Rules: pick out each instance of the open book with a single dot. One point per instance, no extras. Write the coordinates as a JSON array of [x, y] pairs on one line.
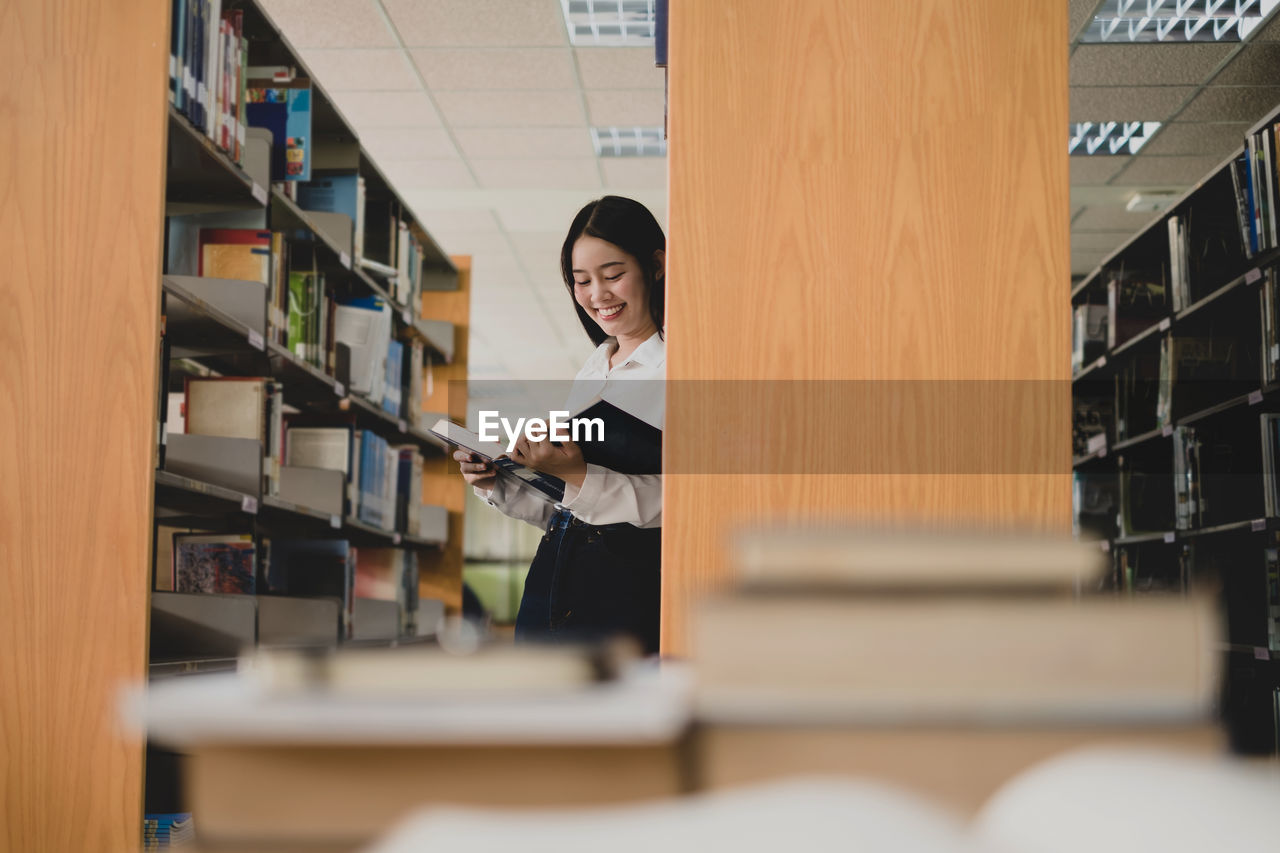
[[628, 445]]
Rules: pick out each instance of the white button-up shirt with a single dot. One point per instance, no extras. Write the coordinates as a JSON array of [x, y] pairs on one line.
[[606, 496]]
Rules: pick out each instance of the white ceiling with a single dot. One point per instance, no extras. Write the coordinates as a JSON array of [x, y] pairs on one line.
[[479, 111]]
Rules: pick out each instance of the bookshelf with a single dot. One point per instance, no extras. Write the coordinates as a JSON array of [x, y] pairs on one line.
[[379, 266], [1173, 393]]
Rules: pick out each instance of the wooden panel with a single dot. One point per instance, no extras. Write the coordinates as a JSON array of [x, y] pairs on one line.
[[862, 191], [81, 203], [442, 485]]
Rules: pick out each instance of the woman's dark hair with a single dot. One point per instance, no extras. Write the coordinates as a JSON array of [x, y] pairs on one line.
[[630, 226]]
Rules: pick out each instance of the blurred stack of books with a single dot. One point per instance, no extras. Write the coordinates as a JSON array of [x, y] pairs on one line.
[[944, 662]]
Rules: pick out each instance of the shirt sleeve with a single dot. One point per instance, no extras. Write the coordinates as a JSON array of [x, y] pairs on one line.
[[607, 497], [515, 502]]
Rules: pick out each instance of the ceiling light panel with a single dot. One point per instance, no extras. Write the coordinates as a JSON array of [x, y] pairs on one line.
[[628, 142], [1118, 138], [1174, 21], [611, 23]]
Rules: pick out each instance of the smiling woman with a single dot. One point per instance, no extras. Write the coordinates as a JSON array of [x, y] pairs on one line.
[[597, 569]]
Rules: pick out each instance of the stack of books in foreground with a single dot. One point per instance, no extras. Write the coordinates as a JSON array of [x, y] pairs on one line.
[[943, 662]]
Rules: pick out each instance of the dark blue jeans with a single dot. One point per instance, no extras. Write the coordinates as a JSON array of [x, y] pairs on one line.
[[591, 581]]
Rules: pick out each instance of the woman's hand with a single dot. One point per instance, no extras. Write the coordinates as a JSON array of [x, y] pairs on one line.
[[564, 461], [480, 474]]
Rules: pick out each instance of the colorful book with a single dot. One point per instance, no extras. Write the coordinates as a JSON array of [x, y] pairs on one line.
[[215, 563], [240, 253], [284, 108]]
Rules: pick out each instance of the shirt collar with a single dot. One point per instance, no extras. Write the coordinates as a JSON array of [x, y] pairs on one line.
[[651, 353]]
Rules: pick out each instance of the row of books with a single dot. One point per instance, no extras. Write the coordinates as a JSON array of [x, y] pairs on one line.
[[212, 83], [1197, 363], [242, 564], [380, 237], [1269, 308], [305, 318], [1254, 178], [1136, 300]]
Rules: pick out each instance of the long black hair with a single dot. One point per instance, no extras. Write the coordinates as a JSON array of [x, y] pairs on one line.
[[627, 224]]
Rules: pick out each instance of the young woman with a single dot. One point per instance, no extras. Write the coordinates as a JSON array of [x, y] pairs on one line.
[[597, 569]]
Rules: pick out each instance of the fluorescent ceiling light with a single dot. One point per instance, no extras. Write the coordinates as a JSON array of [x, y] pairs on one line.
[[1173, 21], [628, 142], [1110, 137], [611, 23]]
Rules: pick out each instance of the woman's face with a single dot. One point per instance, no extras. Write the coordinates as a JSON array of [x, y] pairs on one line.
[[609, 285]]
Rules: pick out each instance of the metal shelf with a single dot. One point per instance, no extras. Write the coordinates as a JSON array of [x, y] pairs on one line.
[[200, 177]]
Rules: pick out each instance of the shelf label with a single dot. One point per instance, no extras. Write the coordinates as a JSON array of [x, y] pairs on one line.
[[1258, 524], [344, 259], [249, 504], [395, 538], [407, 316], [1166, 430], [255, 339], [259, 193], [335, 521], [404, 427], [339, 389], [1252, 275], [1255, 398], [1259, 653], [1168, 537], [1097, 442], [1165, 324]]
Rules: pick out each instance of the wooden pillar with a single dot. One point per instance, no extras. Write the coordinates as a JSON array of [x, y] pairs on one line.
[[442, 485], [81, 214], [864, 191]]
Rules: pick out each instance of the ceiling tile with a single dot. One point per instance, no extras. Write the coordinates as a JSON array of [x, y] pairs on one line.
[[493, 245], [1127, 103], [453, 221], [1254, 65], [1098, 241], [362, 69], [331, 23], [537, 174], [1109, 218], [1087, 171], [619, 68], [511, 109], [387, 109], [439, 174], [497, 68], [1145, 64], [514, 143], [1167, 171], [1196, 138], [1232, 103], [634, 172], [1081, 12], [626, 109], [471, 23], [415, 143]]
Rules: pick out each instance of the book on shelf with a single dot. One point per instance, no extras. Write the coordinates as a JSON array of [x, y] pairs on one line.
[[392, 396], [1191, 369], [409, 472], [1271, 596], [1269, 311], [1091, 419], [364, 325], [341, 193], [235, 253], [248, 407], [1270, 429], [628, 445], [389, 574], [167, 831], [306, 306], [221, 563], [1240, 173], [1179, 262], [283, 106], [1088, 334]]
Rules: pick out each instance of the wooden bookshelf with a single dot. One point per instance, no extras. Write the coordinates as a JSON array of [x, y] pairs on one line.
[[1218, 530], [88, 221]]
